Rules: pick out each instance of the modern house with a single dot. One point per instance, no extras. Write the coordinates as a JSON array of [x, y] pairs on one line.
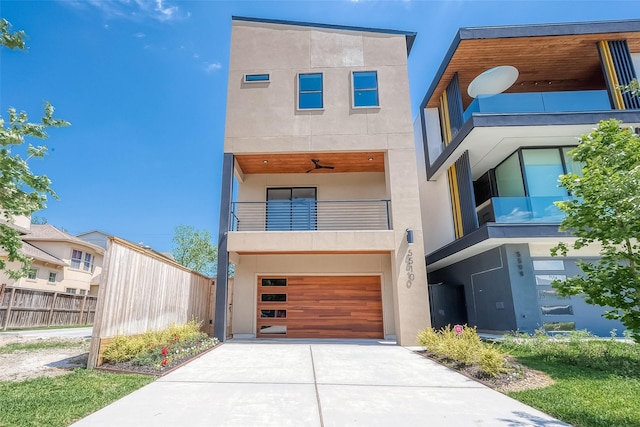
[[60, 262], [320, 211], [493, 132]]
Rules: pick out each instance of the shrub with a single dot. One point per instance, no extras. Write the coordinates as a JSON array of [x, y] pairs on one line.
[[465, 349], [492, 361], [124, 348]]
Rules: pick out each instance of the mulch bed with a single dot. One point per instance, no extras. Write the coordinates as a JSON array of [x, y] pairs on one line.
[[518, 377], [130, 368]]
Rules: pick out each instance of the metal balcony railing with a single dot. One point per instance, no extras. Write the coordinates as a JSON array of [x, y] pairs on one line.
[[279, 215]]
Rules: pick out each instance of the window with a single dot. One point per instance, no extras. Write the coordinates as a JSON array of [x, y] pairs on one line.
[[365, 89], [83, 291], [274, 282], [547, 279], [71, 290], [542, 167], [558, 310], [273, 297], [509, 178], [88, 262], [31, 275], [310, 91], [540, 264], [76, 259], [52, 277], [256, 78], [291, 208]]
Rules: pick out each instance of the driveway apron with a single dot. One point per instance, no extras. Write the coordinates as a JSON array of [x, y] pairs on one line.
[[316, 383]]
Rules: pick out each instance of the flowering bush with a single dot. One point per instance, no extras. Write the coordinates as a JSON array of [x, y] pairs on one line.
[[153, 347], [159, 356]]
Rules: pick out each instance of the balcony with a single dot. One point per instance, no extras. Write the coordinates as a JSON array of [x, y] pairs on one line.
[[521, 210], [540, 102], [310, 215]]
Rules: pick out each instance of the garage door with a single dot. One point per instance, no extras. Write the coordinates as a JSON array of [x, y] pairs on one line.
[[319, 307]]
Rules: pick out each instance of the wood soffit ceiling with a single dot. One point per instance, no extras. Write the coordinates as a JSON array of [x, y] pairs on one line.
[[545, 63], [301, 162]]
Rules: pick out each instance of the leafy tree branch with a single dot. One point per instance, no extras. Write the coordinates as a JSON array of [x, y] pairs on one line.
[[21, 191], [605, 210]]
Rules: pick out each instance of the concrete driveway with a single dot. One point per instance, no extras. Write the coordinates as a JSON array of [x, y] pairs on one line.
[[316, 383]]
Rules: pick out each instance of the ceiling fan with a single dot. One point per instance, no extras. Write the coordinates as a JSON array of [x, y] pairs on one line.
[[317, 165]]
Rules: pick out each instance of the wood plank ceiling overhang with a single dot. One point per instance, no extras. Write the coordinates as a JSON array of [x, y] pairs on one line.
[[302, 162], [545, 63]]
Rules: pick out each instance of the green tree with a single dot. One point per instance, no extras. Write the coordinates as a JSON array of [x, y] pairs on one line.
[[633, 88], [194, 249], [605, 211], [21, 191]]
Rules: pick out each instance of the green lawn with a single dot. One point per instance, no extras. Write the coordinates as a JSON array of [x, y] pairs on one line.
[[59, 401], [597, 382]]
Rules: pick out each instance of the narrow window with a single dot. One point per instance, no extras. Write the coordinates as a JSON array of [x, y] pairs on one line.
[[88, 262], [71, 290], [274, 282], [76, 259], [52, 277], [274, 298], [310, 91], [256, 78], [31, 275], [557, 310], [544, 264], [365, 89]]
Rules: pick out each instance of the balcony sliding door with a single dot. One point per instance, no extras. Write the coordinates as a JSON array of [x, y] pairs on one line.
[[291, 209]]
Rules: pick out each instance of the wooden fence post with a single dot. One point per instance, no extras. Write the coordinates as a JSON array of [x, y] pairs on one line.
[[8, 312], [53, 304], [84, 301]]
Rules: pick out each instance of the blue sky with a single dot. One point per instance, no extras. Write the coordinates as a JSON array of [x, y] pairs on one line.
[[143, 83]]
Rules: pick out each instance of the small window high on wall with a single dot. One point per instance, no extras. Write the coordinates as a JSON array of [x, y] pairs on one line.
[[310, 89], [365, 89]]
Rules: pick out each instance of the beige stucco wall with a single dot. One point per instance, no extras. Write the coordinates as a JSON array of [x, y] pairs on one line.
[[331, 186], [66, 277], [271, 107], [252, 266], [264, 118]]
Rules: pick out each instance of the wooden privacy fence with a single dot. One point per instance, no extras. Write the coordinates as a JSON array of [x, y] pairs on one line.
[[28, 308], [142, 290]]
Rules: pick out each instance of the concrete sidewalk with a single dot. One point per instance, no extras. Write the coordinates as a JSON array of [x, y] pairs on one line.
[[316, 383]]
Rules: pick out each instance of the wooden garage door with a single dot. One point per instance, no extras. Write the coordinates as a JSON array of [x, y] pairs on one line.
[[319, 307]]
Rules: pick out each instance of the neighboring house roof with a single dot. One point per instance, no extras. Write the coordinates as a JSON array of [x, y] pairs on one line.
[[46, 232], [38, 254], [19, 229], [409, 35]]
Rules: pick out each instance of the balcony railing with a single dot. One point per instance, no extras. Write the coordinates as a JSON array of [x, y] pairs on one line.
[[521, 210], [310, 215], [540, 102]]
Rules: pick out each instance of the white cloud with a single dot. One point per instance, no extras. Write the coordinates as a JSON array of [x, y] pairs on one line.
[[196, 56], [211, 67], [159, 10], [140, 35]]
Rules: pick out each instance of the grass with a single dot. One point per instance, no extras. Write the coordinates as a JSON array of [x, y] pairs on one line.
[[59, 401], [597, 382], [38, 345]]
